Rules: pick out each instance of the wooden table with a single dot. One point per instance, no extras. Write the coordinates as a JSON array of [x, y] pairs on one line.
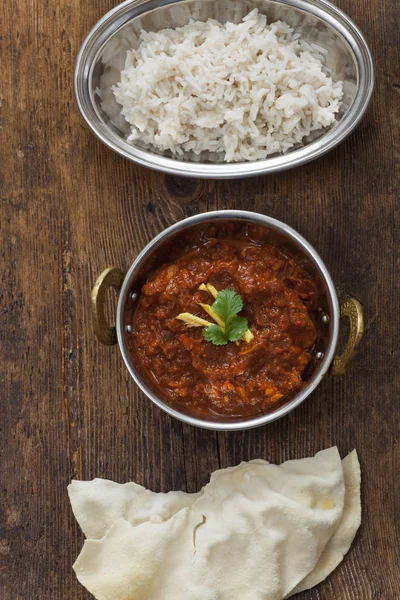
[[70, 208]]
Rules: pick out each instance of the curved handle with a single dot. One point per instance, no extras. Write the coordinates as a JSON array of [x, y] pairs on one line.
[[111, 277], [351, 309]]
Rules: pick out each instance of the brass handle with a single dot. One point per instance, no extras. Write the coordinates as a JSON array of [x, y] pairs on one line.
[[111, 277], [351, 309]]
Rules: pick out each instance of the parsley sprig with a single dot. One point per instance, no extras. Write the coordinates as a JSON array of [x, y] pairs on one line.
[[227, 305]]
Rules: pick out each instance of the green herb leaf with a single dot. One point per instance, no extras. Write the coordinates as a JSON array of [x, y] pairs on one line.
[[236, 328], [227, 304], [228, 327], [214, 334]]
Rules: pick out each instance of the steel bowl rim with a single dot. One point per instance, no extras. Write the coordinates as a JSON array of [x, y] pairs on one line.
[[272, 223], [322, 9]]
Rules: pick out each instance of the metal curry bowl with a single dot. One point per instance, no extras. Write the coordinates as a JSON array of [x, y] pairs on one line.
[[155, 253], [102, 57]]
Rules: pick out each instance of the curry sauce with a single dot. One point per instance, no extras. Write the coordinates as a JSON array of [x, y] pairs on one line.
[[280, 300]]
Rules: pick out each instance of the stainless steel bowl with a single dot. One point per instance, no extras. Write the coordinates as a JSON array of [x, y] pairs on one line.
[[154, 254], [102, 57]]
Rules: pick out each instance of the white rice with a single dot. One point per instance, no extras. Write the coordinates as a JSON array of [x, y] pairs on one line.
[[248, 89]]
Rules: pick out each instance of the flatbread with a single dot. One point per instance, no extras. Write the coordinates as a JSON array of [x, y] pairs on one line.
[[340, 542], [140, 563], [97, 504], [272, 513], [243, 538]]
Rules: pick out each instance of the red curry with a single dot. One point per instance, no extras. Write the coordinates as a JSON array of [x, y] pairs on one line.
[[280, 300]]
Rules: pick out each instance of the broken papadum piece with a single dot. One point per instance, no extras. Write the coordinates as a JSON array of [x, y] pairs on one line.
[[340, 542], [97, 504], [244, 534], [142, 562]]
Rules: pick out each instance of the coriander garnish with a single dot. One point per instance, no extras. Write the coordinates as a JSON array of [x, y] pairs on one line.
[[228, 326]]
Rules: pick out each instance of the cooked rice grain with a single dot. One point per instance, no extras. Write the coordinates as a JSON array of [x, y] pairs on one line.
[[248, 90]]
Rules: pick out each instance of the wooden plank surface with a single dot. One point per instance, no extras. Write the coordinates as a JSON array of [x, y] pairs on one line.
[[70, 208]]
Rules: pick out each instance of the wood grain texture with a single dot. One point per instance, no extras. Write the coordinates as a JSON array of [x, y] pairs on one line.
[[70, 208]]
